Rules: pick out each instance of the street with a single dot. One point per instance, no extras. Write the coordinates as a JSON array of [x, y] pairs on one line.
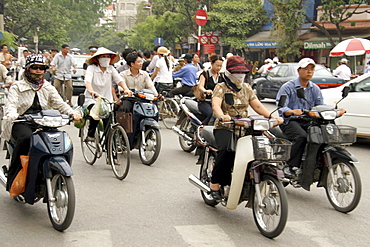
[[157, 206]]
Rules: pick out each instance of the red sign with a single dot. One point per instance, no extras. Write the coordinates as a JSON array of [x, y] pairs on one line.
[[203, 40], [201, 17], [213, 39], [209, 49]]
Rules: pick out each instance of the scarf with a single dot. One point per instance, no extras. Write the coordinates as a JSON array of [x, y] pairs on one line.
[[231, 85], [35, 81]]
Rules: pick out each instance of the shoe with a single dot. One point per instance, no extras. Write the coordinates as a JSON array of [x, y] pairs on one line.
[[288, 172], [20, 199], [216, 194], [90, 139]]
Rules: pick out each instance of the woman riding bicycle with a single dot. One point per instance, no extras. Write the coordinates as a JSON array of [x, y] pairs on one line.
[[100, 76]]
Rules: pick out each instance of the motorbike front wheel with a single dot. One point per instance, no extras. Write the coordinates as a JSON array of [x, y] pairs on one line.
[[62, 209], [270, 215], [344, 190], [205, 176], [188, 129], [150, 151]]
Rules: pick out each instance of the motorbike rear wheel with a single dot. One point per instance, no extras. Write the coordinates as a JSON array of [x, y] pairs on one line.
[[346, 196], [271, 216], [187, 127], [168, 112], [89, 148], [205, 176], [119, 152], [149, 152], [62, 210]]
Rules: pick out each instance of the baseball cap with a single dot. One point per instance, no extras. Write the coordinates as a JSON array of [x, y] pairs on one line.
[[344, 60], [304, 62], [236, 64]]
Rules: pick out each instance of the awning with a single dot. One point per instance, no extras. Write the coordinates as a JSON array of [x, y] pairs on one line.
[[321, 41], [265, 40]]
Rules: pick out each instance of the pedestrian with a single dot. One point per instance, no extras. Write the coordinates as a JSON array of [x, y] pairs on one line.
[[5, 57], [153, 63], [343, 70], [62, 64]]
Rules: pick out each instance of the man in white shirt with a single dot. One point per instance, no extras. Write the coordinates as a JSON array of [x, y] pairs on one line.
[[343, 71]]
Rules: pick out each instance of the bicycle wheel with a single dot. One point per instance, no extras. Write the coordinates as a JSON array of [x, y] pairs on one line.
[[150, 151], [119, 152], [169, 112], [89, 148]]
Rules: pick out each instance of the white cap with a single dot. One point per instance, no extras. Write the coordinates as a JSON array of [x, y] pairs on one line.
[[268, 60], [275, 59], [229, 55], [304, 62], [344, 60]]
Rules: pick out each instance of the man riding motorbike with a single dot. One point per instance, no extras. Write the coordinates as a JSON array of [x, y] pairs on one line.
[[295, 128], [29, 96]]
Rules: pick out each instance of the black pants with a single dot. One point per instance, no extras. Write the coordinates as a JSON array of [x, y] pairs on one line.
[[224, 163], [94, 123], [296, 131], [205, 107], [184, 90], [21, 133]]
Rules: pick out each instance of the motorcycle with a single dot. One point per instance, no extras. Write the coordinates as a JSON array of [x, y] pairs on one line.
[[325, 159], [256, 177], [190, 118], [49, 171], [146, 136]]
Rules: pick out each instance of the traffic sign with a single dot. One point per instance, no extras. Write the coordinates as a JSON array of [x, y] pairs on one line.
[[213, 39], [201, 17], [209, 49], [159, 41], [203, 40], [208, 33]]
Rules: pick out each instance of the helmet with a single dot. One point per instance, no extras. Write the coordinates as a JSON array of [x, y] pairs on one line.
[[35, 59]]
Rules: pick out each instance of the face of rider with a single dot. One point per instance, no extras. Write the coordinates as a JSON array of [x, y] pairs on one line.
[[307, 73], [216, 66], [104, 60], [138, 63], [39, 71]]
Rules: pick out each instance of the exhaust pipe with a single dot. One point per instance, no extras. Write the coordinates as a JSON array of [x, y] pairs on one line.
[[182, 134], [195, 181], [2, 178]]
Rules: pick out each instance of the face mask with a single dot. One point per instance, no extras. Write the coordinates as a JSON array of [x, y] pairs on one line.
[[237, 79], [104, 61]]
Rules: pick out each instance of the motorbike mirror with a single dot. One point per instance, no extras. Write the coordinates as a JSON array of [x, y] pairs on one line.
[[300, 93], [282, 100], [229, 98], [81, 99], [345, 91]]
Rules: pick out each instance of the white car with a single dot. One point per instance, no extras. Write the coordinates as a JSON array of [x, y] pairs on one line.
[[357, 104]]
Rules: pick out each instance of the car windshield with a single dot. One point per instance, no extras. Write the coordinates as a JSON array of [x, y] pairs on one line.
[[80, 61], [320, 70]]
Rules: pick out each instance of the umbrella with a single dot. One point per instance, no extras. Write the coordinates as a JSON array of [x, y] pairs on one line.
[[351, 47]]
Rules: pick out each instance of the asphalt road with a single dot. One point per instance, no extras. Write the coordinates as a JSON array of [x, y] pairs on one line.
[[157, 206]]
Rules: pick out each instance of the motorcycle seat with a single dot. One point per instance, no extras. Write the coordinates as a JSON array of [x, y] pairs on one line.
[[192, 105], [207, 134]]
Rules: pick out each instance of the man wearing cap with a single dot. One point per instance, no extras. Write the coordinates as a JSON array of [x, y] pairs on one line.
[[181, 64], [62, 64], [343, 71], [293, 127]]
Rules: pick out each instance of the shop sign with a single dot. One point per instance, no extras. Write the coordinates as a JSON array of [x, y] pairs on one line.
[[261, 44], [317, 45]]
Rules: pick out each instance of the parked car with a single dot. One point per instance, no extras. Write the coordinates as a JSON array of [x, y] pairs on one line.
[[356, 104], [78, 80], [268, 85]]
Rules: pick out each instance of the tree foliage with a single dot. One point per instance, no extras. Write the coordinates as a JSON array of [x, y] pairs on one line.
[[236, 20], [287, 19]]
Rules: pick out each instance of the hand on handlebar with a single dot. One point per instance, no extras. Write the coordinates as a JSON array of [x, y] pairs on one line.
[[128, 93], [297, 112], [76, 117], [225, 118]]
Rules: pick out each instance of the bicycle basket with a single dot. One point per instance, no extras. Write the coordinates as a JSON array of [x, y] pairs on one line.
[[338, 134], [271, 150]]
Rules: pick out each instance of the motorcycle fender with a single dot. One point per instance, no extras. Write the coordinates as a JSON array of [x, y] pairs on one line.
[[339, 152], [243, 155], [149, 122], [58, 164]]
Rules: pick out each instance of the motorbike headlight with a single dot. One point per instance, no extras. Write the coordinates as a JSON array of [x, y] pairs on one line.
[[52, 121], [329, 115], [262, 124]]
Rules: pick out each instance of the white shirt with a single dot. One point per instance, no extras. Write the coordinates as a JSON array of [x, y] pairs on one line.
[[164, 74], [343, 71], [101, 82]]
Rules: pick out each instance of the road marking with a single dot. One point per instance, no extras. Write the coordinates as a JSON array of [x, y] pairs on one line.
[[89, 238], [205, 235], [310, 229]]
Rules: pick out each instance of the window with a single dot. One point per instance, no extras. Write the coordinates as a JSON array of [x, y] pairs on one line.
[[272, 72], [363, 86], [282, 71]]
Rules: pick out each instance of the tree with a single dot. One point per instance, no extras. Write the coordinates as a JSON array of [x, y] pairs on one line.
[[336, 12], [236, 20], [287, 19]]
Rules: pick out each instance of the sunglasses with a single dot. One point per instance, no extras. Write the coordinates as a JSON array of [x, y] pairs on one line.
[[40, 67]]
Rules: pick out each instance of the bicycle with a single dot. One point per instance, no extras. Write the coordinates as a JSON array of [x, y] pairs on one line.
[[168, 111], [113, 140]]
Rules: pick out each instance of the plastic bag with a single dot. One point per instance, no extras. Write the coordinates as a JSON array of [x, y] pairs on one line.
[[94, 112], [104, 110], [19, 182]]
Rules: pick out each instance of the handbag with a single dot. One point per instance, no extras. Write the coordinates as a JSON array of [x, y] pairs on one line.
[[19, 182], [197, 92], [125, 120]]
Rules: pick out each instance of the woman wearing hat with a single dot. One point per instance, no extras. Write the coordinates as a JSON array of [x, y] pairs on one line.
[[30, 95], [100, 76], [243, 97], [162, 74]]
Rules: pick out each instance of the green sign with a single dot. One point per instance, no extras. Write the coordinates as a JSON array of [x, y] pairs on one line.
[[317, 45]]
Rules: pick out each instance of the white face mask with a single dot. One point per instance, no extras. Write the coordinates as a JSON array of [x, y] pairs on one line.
[[104, 61], [236, 79]]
